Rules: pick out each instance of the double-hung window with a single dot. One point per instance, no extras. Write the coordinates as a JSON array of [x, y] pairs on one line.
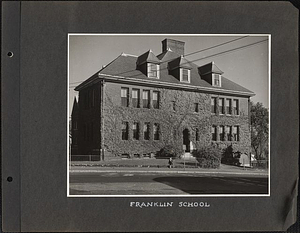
[[146, 99], [185, 75], [235, 133], [135, 98], [153, 70], [213, 105], [196, 107], [124, 130], [156, 131], [124, 97], [216, 80], [174, 105], [221, 133], [221, 106], [236, 107], [135, 130], [214, 133], [228, 106], [155, 99], [197, 134], [146, 131], [229, 133]]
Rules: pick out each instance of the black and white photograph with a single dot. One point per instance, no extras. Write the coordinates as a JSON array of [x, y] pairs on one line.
[[150, 116], [168, 115]]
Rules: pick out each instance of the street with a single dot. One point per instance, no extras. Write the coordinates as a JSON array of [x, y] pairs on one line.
[[147, 183]]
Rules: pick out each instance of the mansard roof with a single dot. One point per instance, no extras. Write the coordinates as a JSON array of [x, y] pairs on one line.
[[123, 69]]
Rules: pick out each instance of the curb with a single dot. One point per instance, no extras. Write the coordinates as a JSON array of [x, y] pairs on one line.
[[168, 172]]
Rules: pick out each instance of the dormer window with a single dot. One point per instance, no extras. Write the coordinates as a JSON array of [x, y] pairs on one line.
[[180, 68], [211, 74], [185, 75], [152, 70], [216, 80], [148, 64]]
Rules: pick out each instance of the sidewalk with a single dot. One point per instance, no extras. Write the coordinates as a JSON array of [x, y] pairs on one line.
[[224, 169]]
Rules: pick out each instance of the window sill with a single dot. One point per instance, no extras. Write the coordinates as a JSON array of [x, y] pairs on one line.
[[185, 81], [227, 141]]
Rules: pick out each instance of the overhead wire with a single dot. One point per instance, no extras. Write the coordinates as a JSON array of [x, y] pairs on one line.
[[213, 55], [208, 48]]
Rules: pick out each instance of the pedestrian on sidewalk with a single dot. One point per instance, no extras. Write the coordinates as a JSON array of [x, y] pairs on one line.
[[170, 162]]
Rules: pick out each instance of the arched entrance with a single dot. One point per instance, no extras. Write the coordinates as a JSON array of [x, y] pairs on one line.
[[186, 140]]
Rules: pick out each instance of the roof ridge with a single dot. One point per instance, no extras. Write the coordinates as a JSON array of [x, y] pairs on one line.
[[127, 54]]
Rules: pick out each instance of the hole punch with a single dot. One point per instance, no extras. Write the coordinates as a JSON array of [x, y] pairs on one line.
[[10, 54], [9, 179]]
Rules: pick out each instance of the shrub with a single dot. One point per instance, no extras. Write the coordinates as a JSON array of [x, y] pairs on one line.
[[169, 151], [230, 157], [208, 157]]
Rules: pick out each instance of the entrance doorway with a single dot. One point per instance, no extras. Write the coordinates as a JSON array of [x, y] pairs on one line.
[[186, 140]]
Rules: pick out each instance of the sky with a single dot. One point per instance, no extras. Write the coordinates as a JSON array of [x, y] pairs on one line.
[[244, 59]]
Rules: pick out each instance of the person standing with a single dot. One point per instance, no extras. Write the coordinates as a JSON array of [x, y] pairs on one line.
[[170, 162]]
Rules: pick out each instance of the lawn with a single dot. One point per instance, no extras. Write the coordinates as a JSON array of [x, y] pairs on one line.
[[136, 162]]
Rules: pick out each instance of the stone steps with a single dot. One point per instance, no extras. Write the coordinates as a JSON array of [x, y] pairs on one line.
[[187, 155]]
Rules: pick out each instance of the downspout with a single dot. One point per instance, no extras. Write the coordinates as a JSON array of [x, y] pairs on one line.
[[102, 90], [250, 129]]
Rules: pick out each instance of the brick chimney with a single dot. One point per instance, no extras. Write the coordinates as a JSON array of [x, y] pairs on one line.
[[175, 45]]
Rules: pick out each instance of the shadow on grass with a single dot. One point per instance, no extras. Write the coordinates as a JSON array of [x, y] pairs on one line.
[[216, 185]]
